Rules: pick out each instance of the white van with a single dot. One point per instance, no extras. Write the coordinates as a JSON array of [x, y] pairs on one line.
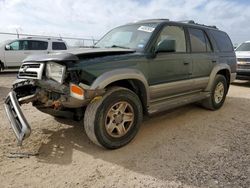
[[12, 53]]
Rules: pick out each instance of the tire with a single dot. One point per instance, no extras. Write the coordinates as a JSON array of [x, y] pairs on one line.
[[1, 66], [120, 109], [218, 94]]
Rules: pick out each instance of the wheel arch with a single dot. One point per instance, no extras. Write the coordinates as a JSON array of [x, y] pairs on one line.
[[129, 78], [222, 69]]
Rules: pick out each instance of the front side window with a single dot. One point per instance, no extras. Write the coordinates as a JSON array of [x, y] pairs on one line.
[[15, 45], [175, 34], [133, 36], [58, 46]]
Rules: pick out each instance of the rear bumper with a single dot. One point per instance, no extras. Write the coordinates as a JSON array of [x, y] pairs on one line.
[[17, 120]]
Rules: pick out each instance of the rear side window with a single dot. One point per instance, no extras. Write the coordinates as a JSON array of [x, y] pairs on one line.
[[58, 46], [223, 41], [35, 45], [199, 41]]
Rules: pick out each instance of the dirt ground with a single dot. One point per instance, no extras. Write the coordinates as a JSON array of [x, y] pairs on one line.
[[185, 147]]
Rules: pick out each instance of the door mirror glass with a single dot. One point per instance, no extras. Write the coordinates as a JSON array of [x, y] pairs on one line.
[[7, 47], [165, 45]]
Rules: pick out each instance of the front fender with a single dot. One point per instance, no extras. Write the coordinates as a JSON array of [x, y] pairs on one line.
[[120, 74]]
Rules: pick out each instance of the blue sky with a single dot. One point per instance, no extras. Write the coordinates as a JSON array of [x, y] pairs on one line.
[[93, 18]]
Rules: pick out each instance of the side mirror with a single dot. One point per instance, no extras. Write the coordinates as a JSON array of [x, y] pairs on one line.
[[7, 47], [165, 45]]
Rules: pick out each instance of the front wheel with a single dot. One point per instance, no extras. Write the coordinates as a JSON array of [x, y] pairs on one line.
[[113, 120], [218, 94]]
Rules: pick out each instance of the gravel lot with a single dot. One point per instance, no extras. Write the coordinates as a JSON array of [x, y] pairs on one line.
[[185, 147]]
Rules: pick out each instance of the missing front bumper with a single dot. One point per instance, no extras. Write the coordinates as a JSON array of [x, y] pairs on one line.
[[17, 120]]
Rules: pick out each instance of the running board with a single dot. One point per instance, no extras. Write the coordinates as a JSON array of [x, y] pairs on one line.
[[17, 120], [170, 103]]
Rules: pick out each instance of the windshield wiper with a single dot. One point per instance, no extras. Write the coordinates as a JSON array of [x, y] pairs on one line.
[[117, 46]]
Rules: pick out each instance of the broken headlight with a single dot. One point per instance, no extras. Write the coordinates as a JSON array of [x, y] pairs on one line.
[[55, 71]]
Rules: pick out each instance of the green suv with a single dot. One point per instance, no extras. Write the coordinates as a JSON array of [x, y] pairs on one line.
[[136, 69]]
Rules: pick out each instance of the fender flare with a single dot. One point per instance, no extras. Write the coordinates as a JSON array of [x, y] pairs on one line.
[[214, 72], [120, 74]]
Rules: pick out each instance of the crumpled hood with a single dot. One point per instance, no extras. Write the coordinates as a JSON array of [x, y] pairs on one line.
[[77, 54], [82, 51]]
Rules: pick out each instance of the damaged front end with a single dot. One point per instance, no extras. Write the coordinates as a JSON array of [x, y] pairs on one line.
[[23, 92], [57, 93]]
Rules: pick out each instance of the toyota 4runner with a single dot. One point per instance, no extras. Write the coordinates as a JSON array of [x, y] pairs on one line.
[[137, 69]]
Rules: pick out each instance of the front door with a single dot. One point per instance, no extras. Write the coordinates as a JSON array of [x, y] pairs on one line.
[[170, 71], [15, 54]]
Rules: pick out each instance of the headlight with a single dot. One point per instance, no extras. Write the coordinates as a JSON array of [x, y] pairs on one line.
[[55, 71]]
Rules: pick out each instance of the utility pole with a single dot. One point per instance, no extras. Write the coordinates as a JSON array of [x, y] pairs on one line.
[[17, 33]]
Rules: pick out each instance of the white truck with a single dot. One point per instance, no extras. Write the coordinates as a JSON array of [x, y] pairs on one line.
[[13, 52]]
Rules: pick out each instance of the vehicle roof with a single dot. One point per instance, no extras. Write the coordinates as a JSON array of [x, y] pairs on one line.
[[185, 22]]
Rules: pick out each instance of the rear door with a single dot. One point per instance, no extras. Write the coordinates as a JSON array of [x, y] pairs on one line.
[[202, 53], [32, 47]]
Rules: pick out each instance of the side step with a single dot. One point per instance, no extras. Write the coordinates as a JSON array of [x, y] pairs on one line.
[[17, 120], [169, 103]]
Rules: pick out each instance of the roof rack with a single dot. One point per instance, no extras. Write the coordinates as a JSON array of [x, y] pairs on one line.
[[193, 22], [187, 21], [148, 20], [49, 38]]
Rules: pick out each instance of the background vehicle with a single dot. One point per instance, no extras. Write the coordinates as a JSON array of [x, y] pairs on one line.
[[134, 70], [12, 53], [243, 61]]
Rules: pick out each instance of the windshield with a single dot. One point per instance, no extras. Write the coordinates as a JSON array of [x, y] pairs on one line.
[[130, 36], [244, 47]]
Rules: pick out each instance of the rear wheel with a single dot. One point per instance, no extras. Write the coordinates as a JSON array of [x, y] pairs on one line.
[[113, 120], [1, 66], [218, 94]]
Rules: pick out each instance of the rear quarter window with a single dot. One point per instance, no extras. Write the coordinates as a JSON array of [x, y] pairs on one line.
[[58, 46], [223, 41]]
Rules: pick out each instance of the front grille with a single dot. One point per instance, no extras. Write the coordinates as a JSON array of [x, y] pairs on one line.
[[243, 59], [28, 74], [30, 65], [31, 71]]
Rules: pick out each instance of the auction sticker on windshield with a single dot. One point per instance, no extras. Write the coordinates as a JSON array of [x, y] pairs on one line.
[[146, 29]]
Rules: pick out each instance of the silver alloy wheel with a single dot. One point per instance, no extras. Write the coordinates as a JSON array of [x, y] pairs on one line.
[[119, 119], [219, 92]]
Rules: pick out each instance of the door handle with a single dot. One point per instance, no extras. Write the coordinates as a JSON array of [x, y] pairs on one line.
[[186, 62], [214, 61]]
